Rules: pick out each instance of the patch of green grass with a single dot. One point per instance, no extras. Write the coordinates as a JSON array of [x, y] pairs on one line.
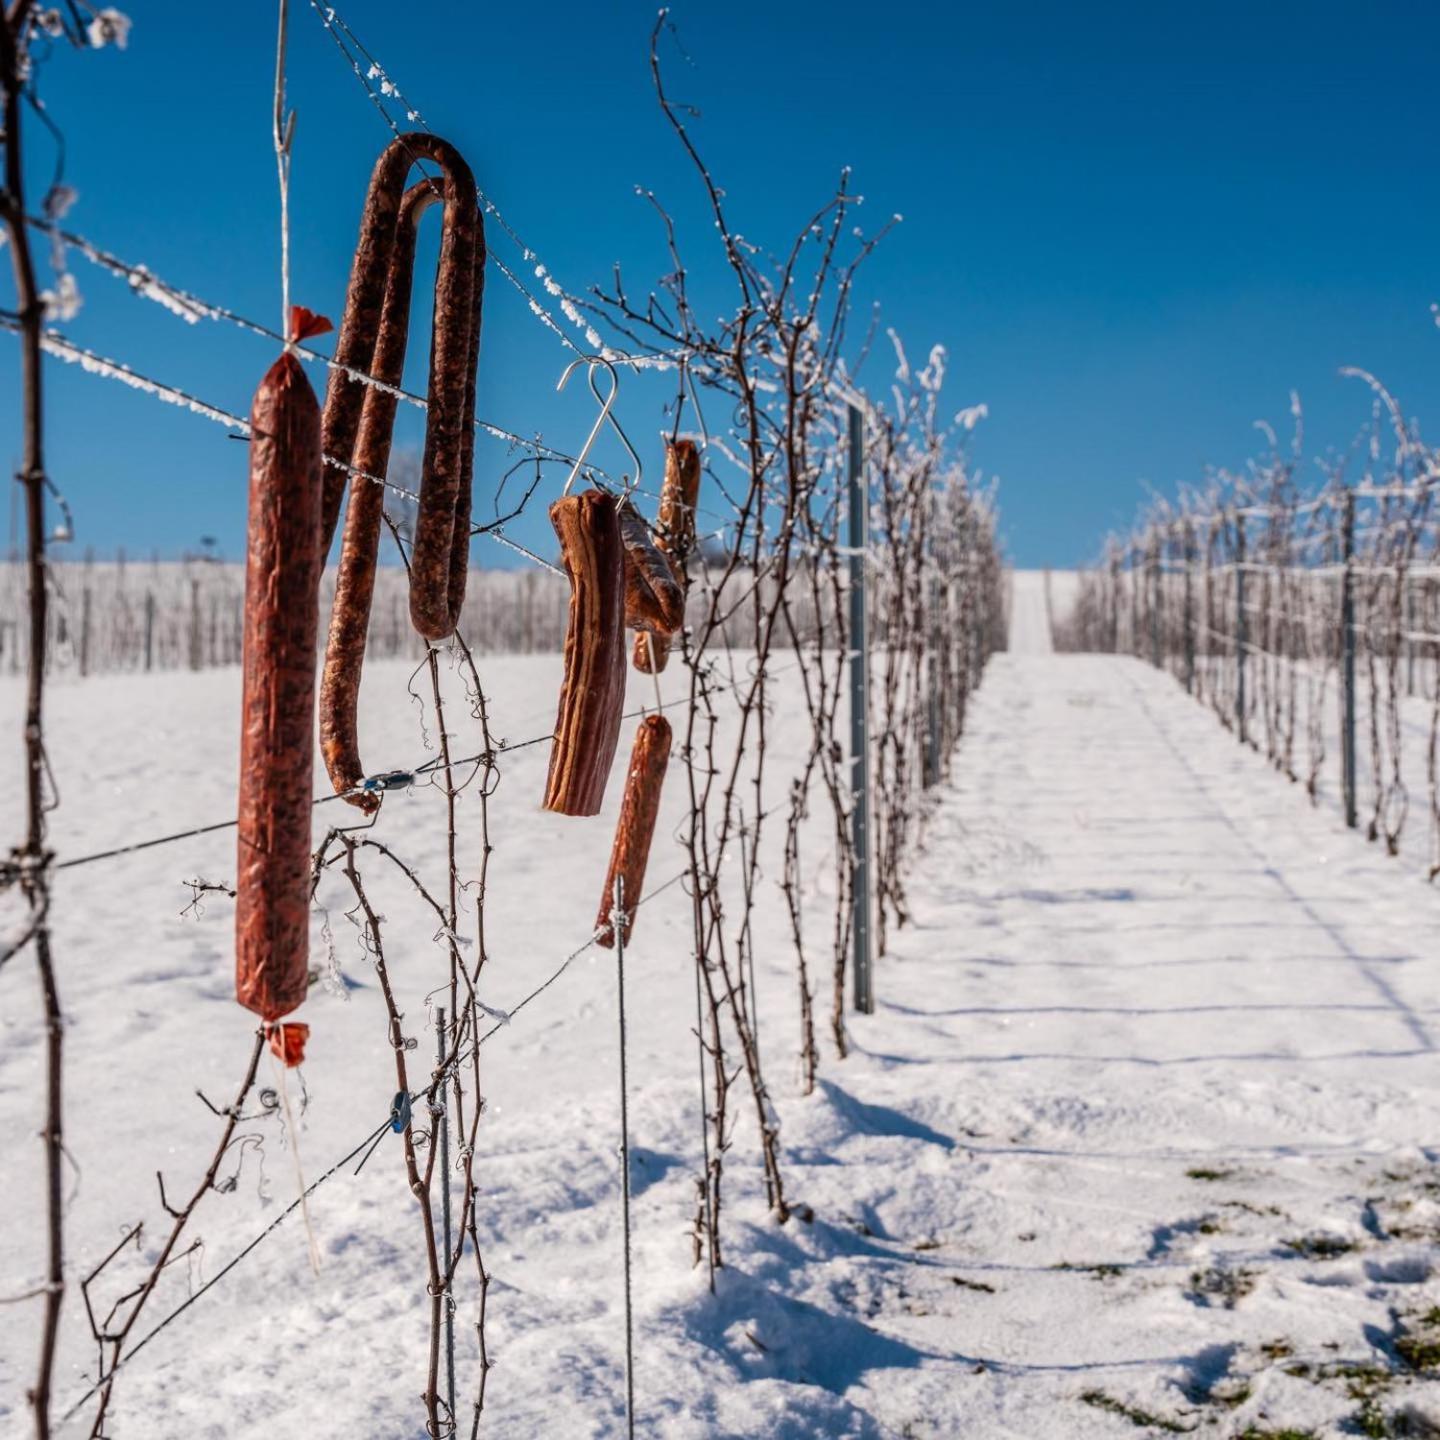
[[1370, 1421], [1229, 1287], [1321, 1247], [1419, 1352], [1202, 1172], [1255, 1433], [1418, 1343], [972, 1284], [1277, 1349], [1133, 1413]]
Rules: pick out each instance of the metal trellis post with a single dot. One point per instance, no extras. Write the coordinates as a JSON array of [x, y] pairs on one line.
[[1189, 557], [1241, 638], [932, 659], [1410, 629], [859, 536], [1155, 602], [1347, 662]]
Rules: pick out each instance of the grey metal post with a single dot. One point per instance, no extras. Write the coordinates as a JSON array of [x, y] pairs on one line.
[[1347, 662], [932, 658], [859, 538], [1115, 605], [85, 631], [195, 652], [1409, 633], [442, 1119], [149, 629], [1189, 556], [1241, 637], [1155, 572]]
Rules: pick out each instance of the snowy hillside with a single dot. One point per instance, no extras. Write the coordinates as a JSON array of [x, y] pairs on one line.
[[1139, 1139]]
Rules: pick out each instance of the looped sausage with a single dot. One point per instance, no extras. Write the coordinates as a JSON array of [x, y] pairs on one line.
[[592, 694], [359, 423]]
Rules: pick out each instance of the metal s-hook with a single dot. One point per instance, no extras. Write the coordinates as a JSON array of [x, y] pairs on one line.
[[595, 429], [606, 402], [615, 424]]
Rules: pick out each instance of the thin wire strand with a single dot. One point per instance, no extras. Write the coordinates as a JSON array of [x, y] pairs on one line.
[[370, 1139]]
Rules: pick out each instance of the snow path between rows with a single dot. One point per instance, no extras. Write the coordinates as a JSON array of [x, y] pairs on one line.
[[1156, 1028]]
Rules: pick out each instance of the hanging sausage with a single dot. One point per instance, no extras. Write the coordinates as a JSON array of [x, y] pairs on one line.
[[592, 693], [636, 826], [359, 423], [284, 558], [679, 494]]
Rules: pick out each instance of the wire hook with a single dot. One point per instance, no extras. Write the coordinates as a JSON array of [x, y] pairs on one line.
[[595, 429], [615, 424], [606, 403]]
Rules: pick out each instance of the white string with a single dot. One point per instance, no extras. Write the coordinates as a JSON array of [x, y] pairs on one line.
[[283, 133], [280, 1068]]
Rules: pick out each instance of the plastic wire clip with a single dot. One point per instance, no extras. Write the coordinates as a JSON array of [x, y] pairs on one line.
[[390, 780]]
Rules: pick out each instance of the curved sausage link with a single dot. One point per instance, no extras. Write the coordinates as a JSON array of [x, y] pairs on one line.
[[360, 544], [654, 600], [592, 695], [675, 536], [636, 826], [282, 616], [359, 421]]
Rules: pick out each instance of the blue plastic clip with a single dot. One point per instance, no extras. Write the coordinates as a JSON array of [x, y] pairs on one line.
[[400, 1111], [390, 780]]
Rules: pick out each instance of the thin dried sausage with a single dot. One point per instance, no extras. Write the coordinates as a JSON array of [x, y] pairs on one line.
[[277, 737], [635, 828], [679, 494]]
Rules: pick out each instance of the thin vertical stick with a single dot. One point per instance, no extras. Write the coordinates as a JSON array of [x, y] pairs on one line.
[[442, 1121], [1241, 638], [752, 999], [1347, 663], [32, 857], [707, 1211], [283, 131], [617, 922], [860, 713]]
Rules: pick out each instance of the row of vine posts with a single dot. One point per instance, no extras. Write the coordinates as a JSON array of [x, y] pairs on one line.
[[1307, 616], [769, 617]]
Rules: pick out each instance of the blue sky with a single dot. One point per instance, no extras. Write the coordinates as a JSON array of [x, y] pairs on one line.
[[1134, 227]]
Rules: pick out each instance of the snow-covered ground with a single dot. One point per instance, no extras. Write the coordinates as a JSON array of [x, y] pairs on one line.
[[1038, 600], [1140, 1138]]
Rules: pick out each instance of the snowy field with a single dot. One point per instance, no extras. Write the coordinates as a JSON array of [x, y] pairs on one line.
[[1139, 1141]]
